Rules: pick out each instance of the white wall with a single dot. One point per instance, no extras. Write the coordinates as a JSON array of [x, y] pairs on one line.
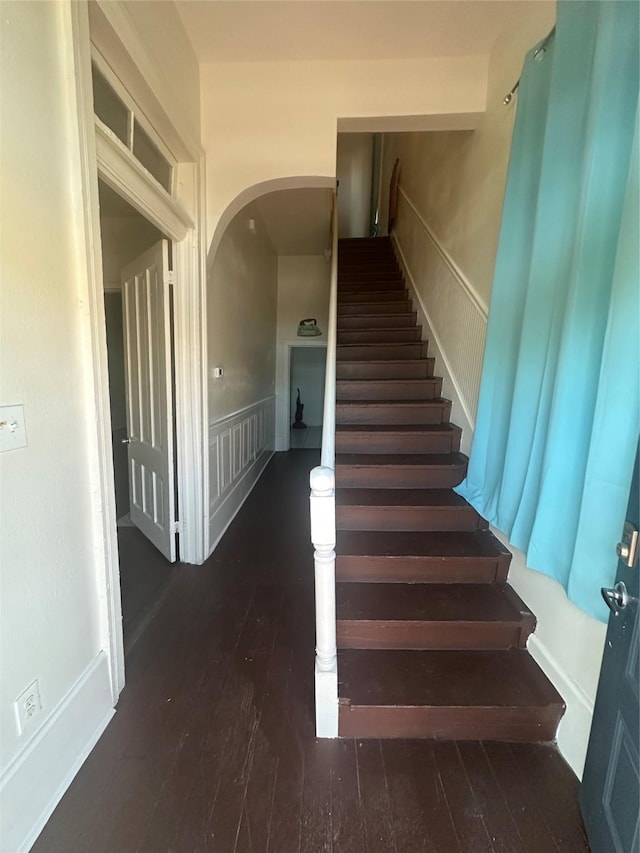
[[447, 231], [354, 165], [124, 238], [242, 316], [271, 120], [303, 291], [50, 602]]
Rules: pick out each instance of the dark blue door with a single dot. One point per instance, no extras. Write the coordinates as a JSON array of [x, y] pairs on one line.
[[610, 792]]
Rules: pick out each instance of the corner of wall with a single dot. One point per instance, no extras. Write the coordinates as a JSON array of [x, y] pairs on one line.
[[35, 781]]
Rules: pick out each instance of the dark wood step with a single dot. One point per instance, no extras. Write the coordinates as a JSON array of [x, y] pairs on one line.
[[421, 438], [370, 286], [365, 296], [346, 309], [389, 389], [363, 275], [377, 321], [445, 695], [387, 556], [400, 471], [396, 412], [431, 616], [408, 368], [377, 352], [405, 509], [380, 336]]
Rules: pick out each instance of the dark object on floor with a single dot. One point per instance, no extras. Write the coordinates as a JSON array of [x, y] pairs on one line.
[[297, 423]]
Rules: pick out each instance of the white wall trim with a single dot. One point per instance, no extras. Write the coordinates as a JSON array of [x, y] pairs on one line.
[[461, 414], [217, 422], [573, 732], [34, 782], [163, 111], [121, 171], [457, 273], [89, 256], [240, 446]]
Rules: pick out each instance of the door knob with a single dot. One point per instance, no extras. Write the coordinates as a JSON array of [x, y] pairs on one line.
[[617, 598], [125, 440]]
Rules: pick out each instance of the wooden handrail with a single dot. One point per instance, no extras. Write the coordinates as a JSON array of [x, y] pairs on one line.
[[323, 524]]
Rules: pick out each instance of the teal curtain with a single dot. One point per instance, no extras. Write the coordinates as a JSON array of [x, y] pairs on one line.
[[559, 407]]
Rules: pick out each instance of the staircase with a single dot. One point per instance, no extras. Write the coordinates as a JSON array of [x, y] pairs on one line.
[[431, 637]]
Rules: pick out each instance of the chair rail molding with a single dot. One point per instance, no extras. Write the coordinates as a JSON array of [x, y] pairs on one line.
[[240, 446], [454, 316]]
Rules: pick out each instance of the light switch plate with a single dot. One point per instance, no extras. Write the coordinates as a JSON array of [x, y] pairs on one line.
[[13, 433]]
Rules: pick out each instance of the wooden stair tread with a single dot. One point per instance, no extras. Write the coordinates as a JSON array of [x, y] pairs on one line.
[[399, 497], [409, 602], [454, 678], [402, 459], [398, 428], [435, 401], [477, 544]]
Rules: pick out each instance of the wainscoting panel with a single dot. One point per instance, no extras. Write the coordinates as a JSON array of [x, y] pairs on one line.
[[454, 313], [240, 445]]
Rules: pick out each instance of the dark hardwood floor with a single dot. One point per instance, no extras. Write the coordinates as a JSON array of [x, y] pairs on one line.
[[213, 748]]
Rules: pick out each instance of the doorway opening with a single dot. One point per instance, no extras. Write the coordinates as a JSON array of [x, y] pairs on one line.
[[127, 236], [307, 365]]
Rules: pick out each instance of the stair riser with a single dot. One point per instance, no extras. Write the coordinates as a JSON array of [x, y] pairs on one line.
[[350, 309], [380, 352], [380, 336], [370, 286], [363, 276], [443, 519], [383, 321], [395, 389], [392, 413], [533, 725], [397, 477], [422, 369], [397, 442], [386, 634], [420, 569], [376, 296]]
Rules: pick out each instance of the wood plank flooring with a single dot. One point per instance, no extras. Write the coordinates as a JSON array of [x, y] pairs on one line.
[[213, 747]]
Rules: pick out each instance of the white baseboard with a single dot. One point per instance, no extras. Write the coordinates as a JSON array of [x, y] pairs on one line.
[[34, 782], [227, 510], [573, 732]]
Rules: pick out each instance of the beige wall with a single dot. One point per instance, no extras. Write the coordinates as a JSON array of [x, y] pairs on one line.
[[50, 602], [354, 165], [269, 120], [169, 48], [303, 291], [455, 181], [123, 240], [242, 316]]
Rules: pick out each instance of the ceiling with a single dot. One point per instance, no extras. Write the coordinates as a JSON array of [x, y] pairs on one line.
[[297, 221], [271, 30]]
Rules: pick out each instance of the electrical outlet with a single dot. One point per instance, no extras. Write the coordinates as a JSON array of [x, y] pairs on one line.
[[28, 707]]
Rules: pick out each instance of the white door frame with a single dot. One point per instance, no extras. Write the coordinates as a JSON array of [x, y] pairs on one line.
[[183, 222], [286, 396]]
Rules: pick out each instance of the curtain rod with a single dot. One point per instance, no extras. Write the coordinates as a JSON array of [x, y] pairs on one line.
[[538, 53]]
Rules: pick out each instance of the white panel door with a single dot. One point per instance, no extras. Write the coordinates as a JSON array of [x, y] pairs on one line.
[[147, 336]]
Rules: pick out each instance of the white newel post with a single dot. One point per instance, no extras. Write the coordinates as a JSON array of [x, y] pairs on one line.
[[323, 536]]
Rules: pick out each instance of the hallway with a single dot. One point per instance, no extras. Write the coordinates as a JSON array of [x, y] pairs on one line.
[[213, 747]]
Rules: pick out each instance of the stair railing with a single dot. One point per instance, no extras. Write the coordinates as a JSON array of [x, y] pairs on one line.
[[323, 524]]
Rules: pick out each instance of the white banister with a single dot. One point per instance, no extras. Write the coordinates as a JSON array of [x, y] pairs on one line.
[[323, 525]]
